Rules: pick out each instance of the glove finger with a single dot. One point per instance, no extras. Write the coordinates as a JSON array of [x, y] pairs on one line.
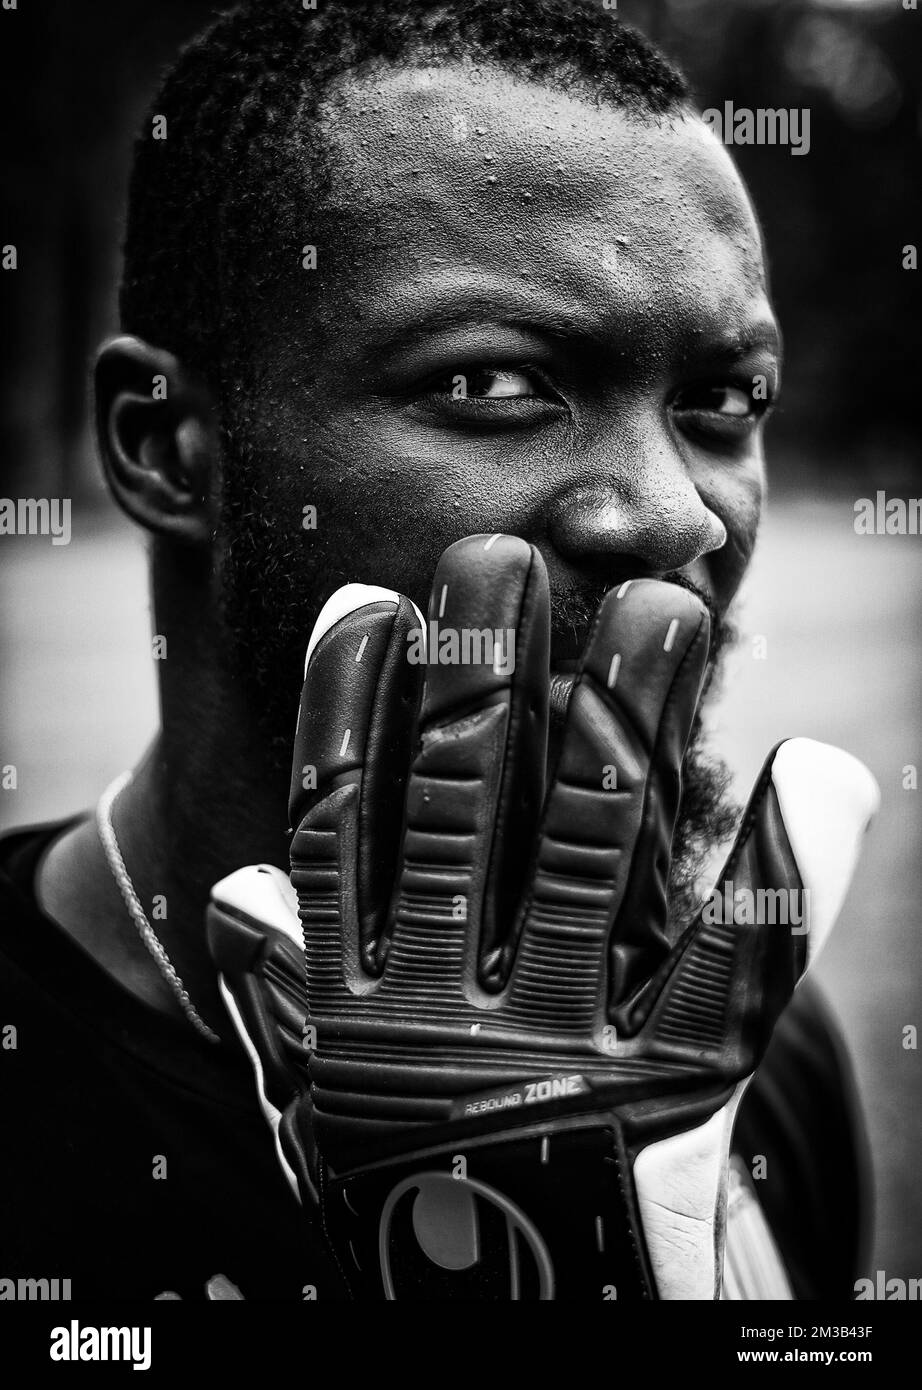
[[219, 1289], [730, 978], [602, 864], [476, 785], [351, 754], [254, 937], [773, 907]]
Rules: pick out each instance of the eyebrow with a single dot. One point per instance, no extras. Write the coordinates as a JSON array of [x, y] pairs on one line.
[[754, 339], [510, 305], [457, 308], [467, 316]]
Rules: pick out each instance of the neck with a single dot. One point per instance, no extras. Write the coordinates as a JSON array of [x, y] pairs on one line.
[[195, 810]]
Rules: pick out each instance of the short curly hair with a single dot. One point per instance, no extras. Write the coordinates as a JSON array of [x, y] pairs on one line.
[[214, 206]]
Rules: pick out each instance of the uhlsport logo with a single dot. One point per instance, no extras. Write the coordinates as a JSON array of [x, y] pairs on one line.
[[460, 1235]]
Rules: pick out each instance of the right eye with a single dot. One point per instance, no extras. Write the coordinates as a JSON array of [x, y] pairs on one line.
[[490, 396], [493, 384]]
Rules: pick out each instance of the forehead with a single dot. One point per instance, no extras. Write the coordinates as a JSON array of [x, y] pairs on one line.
[[466, 170]]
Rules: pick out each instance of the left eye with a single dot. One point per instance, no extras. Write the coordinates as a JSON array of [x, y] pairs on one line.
[[728, 401]]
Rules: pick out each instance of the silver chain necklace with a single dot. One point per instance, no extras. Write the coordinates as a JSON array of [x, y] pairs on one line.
[[136, 911]]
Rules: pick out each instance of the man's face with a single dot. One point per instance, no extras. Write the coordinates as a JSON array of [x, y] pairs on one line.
[[530, 314]]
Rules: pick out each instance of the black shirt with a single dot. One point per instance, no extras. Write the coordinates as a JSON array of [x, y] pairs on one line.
[[101, 1092]]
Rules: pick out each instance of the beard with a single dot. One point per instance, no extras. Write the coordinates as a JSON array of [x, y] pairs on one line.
[[263, 612]]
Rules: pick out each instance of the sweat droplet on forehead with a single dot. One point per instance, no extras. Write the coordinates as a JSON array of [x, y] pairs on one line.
[[460, 163]]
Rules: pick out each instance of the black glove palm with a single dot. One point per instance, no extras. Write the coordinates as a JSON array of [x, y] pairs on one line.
[[510, 1086]]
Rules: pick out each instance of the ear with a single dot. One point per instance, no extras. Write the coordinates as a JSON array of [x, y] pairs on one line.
[[156, 426]]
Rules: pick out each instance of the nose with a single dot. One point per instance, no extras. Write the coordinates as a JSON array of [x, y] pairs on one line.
[[641, 514]]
